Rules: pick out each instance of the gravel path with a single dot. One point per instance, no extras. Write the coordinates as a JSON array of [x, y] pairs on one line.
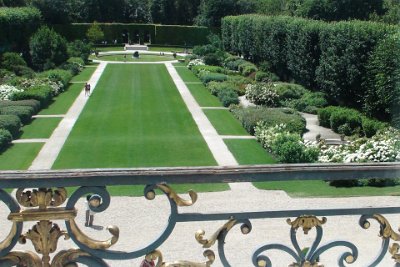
[[314, 129]]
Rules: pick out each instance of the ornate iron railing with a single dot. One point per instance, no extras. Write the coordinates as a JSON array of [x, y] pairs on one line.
[[46, 201]]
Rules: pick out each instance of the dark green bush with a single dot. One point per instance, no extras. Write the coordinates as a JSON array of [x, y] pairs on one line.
[[74, 65], [247, 68], [309, 102], [344, 183], [214, 59], [41, 93], [216, 87], [233, 63], [249, 117], [289, 149], [57, 75], [345, 116], [11, 123], [30, 103], [5, 139], [381, 182], [23, 112], [228, 97], [203, 50], [11, 60], [371, 126], [240, 83], [79, 49], [207, 77], [289, 91], [324, 116], [262, 76]]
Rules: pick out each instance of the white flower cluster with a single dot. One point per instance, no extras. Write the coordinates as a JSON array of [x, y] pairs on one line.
[[267, 135], [383, 147], [57, 87], [6, 91], [262, 94], [195, 62]]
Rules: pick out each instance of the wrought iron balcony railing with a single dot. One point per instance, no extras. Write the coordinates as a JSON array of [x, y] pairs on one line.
[[39, 198]]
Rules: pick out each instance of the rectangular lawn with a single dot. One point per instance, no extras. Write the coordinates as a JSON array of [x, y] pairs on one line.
[[134, 118], [249, 152], [40, 128], [187, 75], [224, 122], [19, 156], [63, 101], [203, 97]]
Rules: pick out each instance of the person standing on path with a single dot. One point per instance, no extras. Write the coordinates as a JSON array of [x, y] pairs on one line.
[[91, 201], [87, 89]]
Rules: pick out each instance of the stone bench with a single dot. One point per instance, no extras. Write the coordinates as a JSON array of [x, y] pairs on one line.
[[136, 47]]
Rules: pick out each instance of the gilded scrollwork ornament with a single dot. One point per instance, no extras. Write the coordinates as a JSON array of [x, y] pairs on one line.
[[19, 258], [207, 243], [394, 251], [66, 256], [307, 222], [42, 198], [174, 196], [157, 255]]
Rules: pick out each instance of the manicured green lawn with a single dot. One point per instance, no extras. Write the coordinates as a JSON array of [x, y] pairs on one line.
[[203, 96], [168, 49], [323, 189], [84, 75], [249, 152], [224, 122], [19, 156], [40, 128], [134, 118], [63, 101], [187, 75], [142, 58]]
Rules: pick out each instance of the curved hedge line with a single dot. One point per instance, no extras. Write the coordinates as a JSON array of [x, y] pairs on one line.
[[331, 57], [10, 123], [17, 25], [5, 139], [159, 34]]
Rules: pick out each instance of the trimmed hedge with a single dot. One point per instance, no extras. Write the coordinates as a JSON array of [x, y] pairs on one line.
[[23, 112], [30, 103], [17, 25], [11, 123], [5, 139], [159, 34], [249, 117], [207, 77], [41, 93]]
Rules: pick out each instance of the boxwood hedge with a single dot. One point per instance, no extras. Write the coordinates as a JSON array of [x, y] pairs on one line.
[[11, 123]]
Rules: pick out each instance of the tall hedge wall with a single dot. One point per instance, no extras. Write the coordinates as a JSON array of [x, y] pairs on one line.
[[159, 34], [16, 27], [330, 57]]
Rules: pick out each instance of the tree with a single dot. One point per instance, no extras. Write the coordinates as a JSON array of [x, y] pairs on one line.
[[137, 11], [48, 49], [54, 11], [94, 33], [211, 12]]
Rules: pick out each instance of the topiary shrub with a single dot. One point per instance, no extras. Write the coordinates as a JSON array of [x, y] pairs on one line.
[[30, 103], [345, 116], [5, 139], [23, 112], [228, 97], [41, 93], [11, 123]]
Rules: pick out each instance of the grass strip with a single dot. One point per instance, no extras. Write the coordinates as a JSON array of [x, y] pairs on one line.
[[63, 101], [40, 128], [203, 96], [224, 122], [84, 75], [249, 152], [19, 156], [187, 75]]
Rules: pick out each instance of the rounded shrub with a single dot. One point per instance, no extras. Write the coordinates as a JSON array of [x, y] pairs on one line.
[[42, 93], [207, 77], [228, 97], [262, 94], [324, 116], [5, 139], [370, 126], [57, 75], [289, 149], [23, 112], [345, 116], [262, 76], [11, 123]]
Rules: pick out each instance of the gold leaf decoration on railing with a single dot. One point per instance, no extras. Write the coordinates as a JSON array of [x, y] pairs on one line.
[[95, 244], [307, 222], [19, 258], [386, 230], [207, 243], [305, 264], [42, 198], [65, 256], [157, 255], [177, 199], [44, 236], [393, 250]]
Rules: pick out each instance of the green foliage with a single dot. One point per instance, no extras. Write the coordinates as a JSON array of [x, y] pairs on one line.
[[207, 77], [48, 49], [57, 75], [30, 103], [247, 68], [17, 25], [10, 60], [23, 112], [78, 48], [11, 123], [370, 126], [262, 94], [95, 33], [5, 139], [344, 183], [41, 93], [198, 68], [216, 87], [233, 62], [324, 116], [262, 76], [74, 65], [249, 117], [382, 97], [228, 97]]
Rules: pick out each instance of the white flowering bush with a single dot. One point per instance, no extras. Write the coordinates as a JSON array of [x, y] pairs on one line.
[[195, 62], [6, 91], [267, 135], [382, 147], [262, 94], [56, 86]]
